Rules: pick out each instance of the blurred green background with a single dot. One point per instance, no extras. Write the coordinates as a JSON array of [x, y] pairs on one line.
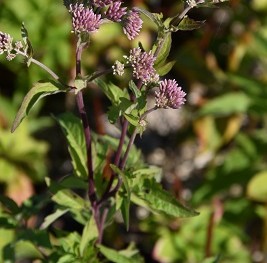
[[213, 151]]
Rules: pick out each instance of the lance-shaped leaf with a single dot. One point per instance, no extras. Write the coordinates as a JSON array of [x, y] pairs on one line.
[[125, 209], [162, 47], [123, 256], [187, 24], [73, 130], [39, 90], [161, 201], [154, 17], [53, 217]]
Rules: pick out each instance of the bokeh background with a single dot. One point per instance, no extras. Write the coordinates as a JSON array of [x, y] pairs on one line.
[[213, 151]]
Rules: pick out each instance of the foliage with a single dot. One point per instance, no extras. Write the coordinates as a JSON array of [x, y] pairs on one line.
[[225, 113]]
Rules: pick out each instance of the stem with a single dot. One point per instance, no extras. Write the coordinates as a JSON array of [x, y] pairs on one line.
[[87, 131], [101, 225], [177, 20], [48, 70], [40, 64], [116, 161], [131, 141]]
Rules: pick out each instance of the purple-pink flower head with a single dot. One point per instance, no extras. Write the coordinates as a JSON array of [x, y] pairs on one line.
[[84, 19], [169, 95], [132, 24], [5, 42], [115, 11], [142, 64]]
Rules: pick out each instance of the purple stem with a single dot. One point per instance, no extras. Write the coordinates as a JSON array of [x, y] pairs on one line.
[[107, 192], [87, 131]]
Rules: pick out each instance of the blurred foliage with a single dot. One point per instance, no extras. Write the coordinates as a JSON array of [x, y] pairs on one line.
[[223, 68]]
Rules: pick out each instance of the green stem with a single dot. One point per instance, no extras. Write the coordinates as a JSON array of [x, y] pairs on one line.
[[41, 65], [131, 141]]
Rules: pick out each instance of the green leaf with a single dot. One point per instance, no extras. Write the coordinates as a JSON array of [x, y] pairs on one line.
[[79, 84], [188, 24], [120, 256], [257, 187], [39, 90], [162, 201], [113, 92], [125, 209], [68, 258], [230, 103], [137, 93], [8, 203], [164, 44], [90, 233], [132, 119], [154, 17], [53, 217], [212, 259], [162, 70], [74, 182], [69, 199], [78, 207], [73, 130], [114, 113], [37, 237]]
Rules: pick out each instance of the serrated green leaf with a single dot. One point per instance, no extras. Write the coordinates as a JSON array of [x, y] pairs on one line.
[[162, 70], [90, 232], [188, 24], [118, 256], [39, 90], [163, 46], [73, 130], [53, 217], [69, 199], [230, 103], [162, 201]]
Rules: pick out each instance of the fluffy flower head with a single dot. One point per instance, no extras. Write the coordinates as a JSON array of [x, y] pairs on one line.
[[132, 24], [169, 95], [142, 64], [84, 19], [115, 12], [5, 42]]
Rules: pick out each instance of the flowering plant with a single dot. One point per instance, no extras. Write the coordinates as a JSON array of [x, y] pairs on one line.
[[129, 180]]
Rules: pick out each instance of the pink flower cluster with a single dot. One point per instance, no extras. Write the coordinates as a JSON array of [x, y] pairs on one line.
[[88, 18], [143, 65], [169, 95]]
